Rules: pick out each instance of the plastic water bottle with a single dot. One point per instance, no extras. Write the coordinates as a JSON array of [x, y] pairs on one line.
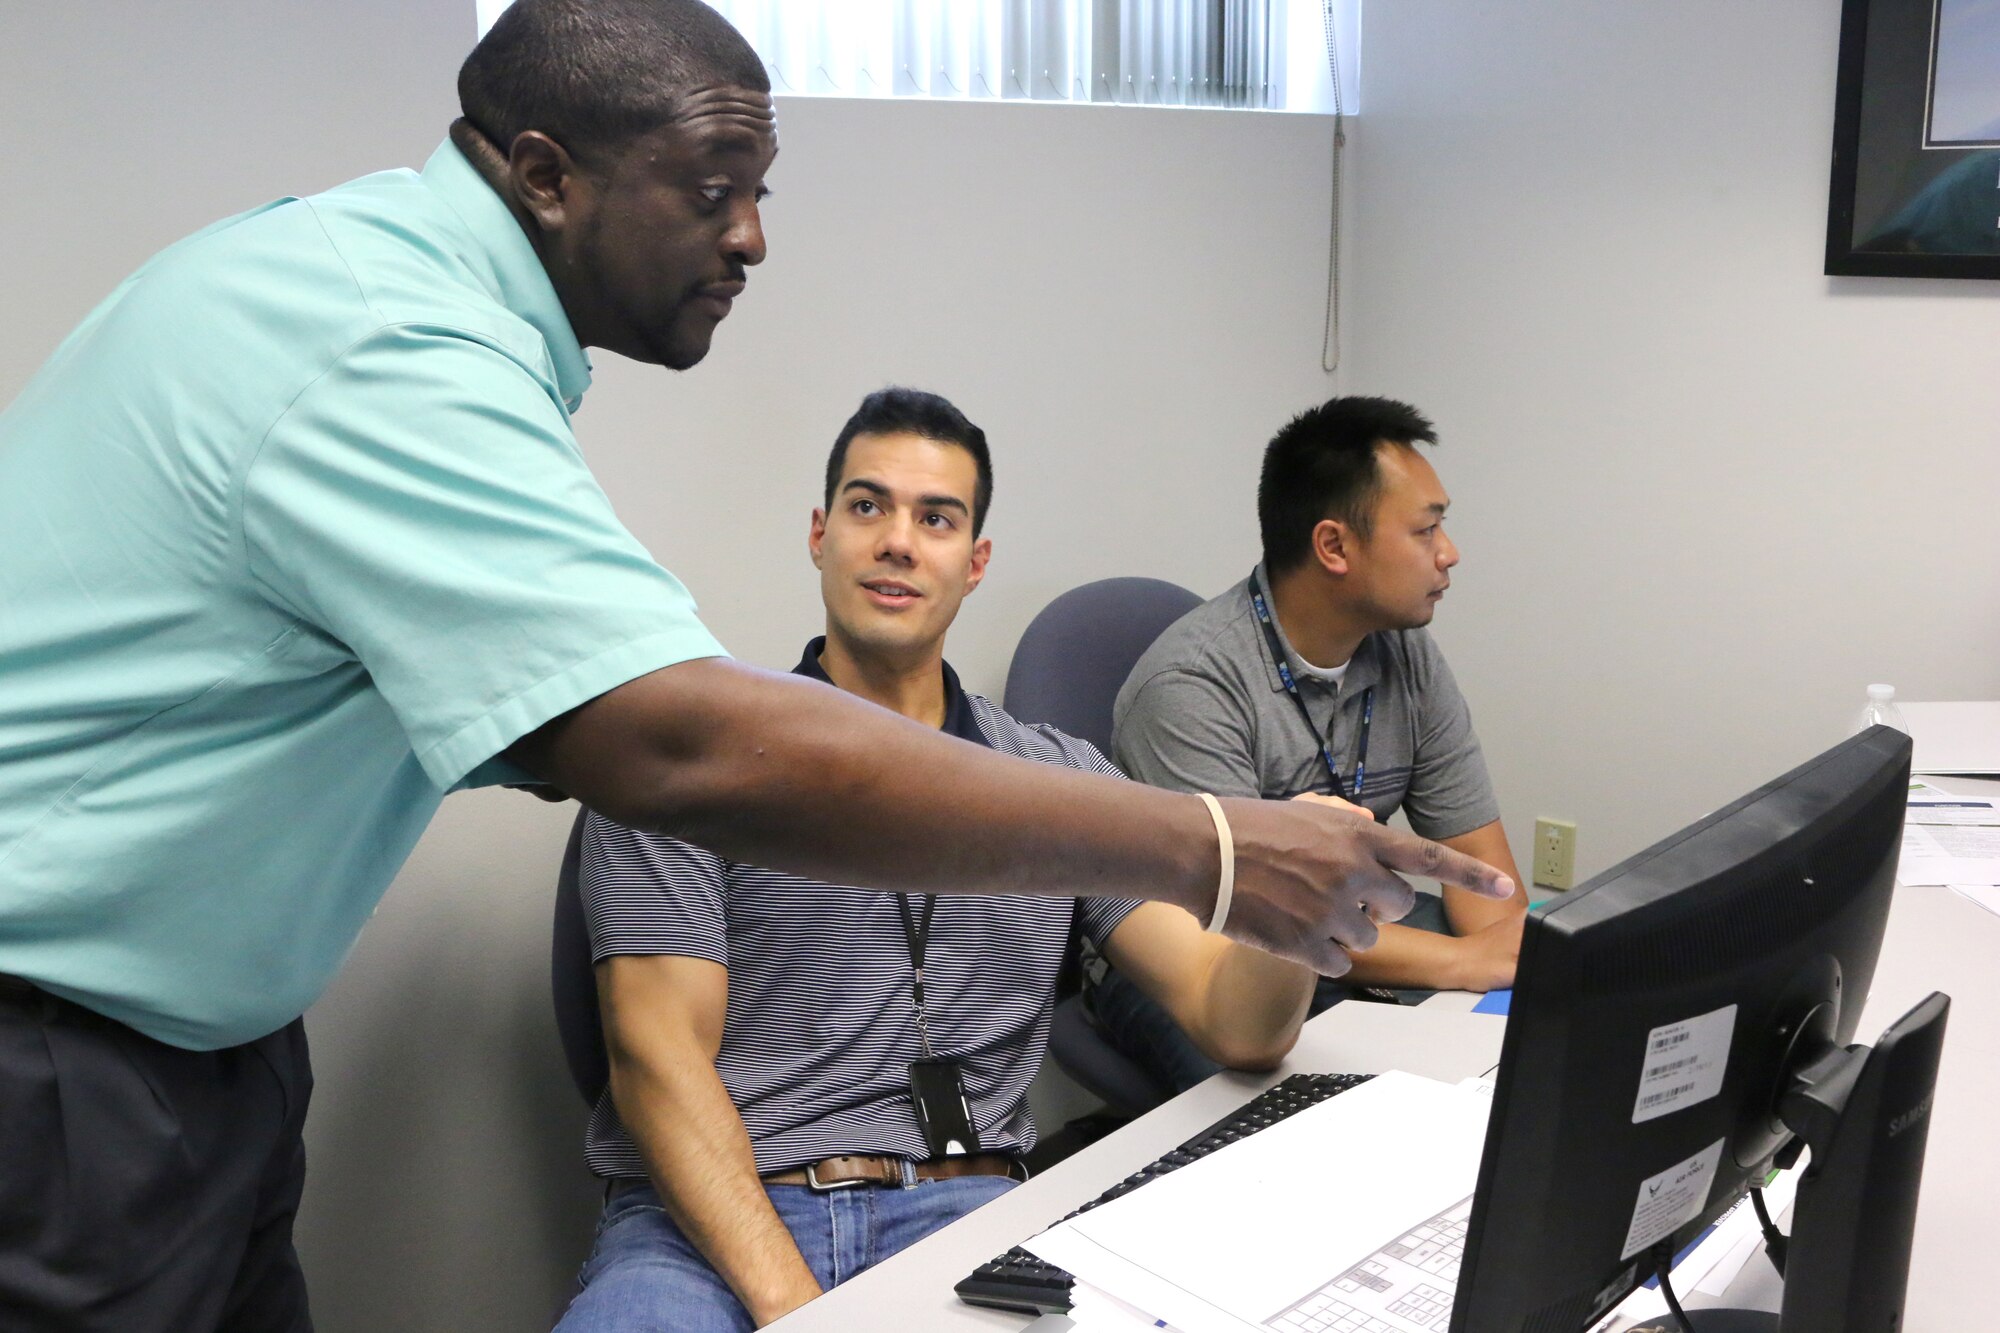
[[1881, 710]]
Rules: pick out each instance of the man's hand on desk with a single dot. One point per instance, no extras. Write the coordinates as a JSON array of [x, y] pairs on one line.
[[1312, 879]]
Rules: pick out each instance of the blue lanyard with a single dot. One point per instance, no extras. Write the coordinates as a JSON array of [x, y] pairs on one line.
[[1279, 656]]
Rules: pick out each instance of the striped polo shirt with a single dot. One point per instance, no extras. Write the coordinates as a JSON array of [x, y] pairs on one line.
[[819, 1032]]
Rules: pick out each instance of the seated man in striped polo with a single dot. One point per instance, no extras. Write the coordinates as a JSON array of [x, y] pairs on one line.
[[778, 1045]]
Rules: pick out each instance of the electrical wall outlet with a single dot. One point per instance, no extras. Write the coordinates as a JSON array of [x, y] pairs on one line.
[[1555, 853]]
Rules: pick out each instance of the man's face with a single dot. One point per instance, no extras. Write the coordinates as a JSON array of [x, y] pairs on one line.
[[1402, 568], [895, 552], [661, 245]]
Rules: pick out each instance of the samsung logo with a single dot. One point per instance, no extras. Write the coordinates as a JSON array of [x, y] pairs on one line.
[[1912, 1116]]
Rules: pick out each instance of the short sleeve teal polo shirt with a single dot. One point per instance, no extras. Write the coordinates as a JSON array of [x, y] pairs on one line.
[[297, 539]]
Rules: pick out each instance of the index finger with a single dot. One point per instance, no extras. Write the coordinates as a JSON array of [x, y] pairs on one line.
[[1433, 860]]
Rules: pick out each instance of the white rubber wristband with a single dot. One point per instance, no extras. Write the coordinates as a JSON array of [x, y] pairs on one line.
[[1225, 887]]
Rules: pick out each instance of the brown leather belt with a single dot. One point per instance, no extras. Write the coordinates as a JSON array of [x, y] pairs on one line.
[[834, 1173]]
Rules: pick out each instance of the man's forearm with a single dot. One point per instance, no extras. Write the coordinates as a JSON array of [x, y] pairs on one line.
[[700, 1159], [801, 777], [1254, 1006], [772, 769]]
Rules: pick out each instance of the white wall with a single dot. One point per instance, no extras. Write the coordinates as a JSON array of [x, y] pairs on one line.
[[1705, 493], [1587, 241], [1126, 300]]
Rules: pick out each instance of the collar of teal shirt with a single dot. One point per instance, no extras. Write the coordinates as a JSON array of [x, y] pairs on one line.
[[518, 279]]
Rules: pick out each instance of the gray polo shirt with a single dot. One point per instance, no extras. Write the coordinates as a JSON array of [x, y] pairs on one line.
[[1205, 710]]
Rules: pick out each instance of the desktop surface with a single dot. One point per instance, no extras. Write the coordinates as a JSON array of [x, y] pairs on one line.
[[1936, 940], [1939, 941], [914, 1288]]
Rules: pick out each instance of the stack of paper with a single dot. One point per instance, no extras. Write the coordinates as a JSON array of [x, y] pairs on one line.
[[1951, 840]]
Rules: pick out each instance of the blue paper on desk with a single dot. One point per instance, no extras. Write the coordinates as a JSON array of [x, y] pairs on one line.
[[1494, 1002]]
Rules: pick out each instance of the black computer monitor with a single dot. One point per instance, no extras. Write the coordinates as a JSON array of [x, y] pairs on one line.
[[1675, 1022]]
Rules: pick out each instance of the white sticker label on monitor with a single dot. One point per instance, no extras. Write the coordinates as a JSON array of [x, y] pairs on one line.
[[1671, 1198], [1684, 1064]]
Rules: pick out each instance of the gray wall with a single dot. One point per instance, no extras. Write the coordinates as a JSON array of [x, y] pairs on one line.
[[1705, 493], [1585, 238]]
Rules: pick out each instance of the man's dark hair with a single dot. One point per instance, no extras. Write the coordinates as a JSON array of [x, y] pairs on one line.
[[899, 411], [595, 74], [1323, 465]]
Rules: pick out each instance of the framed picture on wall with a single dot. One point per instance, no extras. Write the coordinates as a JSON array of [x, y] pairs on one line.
[[1916, 140]]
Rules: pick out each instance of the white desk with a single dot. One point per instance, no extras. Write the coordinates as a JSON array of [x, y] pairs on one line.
[[912, 1290], [1936, 941]]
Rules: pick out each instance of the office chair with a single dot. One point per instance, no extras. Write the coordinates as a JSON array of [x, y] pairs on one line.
[[572, 978], [1066, 672]]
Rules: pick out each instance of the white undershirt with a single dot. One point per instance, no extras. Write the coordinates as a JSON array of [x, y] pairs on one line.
[[1328, 675]]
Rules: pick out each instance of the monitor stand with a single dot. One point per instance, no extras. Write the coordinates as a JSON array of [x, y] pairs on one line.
[[1866, 1115], [1719, 1321]]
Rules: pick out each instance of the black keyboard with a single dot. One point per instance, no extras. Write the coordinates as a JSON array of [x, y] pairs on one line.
[[1018, 1280]]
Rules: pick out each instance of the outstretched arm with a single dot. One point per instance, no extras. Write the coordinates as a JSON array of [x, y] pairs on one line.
[[798, 776]]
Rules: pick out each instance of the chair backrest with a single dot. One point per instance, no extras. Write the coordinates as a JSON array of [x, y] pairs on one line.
[[572, 978], [1075, 656], [1067, 671]]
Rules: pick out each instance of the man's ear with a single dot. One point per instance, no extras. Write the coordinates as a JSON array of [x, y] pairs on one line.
[[815, 535], [1333, 544], [982, 551], [545, 180]]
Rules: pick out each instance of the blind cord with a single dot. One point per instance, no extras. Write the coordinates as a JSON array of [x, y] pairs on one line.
[[1329, 350]]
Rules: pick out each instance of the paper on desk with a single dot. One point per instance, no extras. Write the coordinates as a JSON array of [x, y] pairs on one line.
[[1094, 1310], [1949, 854], [1929, 805], [1986, 895], [1225, 1242]]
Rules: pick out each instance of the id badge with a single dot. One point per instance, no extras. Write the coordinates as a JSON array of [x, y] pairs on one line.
[[943, 1114]]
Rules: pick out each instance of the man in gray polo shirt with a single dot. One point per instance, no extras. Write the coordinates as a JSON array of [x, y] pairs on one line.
[[1316, 674]]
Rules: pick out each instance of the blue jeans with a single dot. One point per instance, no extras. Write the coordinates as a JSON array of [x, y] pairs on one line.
[[644, 1275]]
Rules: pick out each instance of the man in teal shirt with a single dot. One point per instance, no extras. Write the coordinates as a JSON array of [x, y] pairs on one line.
[[299, 540]]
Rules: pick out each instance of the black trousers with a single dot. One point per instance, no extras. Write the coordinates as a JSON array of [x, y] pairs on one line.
[[145, 1188]]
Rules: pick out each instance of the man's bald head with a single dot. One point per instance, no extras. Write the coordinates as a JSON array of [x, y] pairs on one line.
[[595, 74]]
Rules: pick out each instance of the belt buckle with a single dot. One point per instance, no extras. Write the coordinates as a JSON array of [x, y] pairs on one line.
[[819, 1187]]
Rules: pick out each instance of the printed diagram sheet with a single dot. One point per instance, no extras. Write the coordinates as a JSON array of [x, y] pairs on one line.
[[1284, 1231], [1272, 1234], [1404, 1287]]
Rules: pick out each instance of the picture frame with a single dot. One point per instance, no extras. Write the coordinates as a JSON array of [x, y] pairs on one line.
[[1915, 188]]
